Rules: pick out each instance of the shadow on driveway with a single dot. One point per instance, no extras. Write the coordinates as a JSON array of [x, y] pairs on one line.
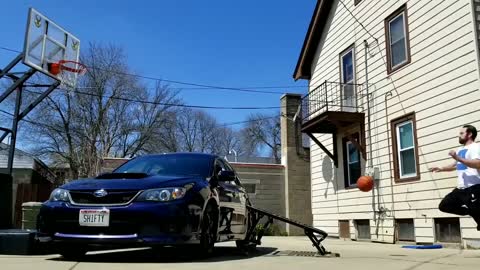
[[170, 255]]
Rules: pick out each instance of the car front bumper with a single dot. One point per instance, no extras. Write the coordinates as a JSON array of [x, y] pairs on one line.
[[142, 223]]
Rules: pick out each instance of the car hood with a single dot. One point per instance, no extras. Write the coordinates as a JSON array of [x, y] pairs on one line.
[[142, 182]]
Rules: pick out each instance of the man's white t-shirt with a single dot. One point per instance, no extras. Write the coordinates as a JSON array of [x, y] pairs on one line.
[[467, 176]]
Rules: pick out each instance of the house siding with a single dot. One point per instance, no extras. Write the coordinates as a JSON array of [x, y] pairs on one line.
[[441, 85]]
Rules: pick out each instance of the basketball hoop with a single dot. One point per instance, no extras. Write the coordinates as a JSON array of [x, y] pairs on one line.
[[67, 65], [67, 70]]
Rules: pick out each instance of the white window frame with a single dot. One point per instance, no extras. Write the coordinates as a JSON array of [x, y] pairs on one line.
[[353, 64], [399, 149], [348, 143], [352, 82], [403, 14]]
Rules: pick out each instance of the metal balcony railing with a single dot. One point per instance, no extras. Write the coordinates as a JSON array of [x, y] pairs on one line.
[[333, 96]]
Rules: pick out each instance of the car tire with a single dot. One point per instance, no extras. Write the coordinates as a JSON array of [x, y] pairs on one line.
[[245, 246], [73, 253], [209, 231]]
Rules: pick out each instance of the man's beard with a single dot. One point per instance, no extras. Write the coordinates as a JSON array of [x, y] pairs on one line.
[[462, 141]]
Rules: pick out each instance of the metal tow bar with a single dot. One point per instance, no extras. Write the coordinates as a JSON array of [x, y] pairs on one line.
[[255, 215]]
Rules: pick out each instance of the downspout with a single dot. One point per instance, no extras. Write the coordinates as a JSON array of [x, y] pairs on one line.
[[369, 161], [370, 149], [369, 155], [389, 94]]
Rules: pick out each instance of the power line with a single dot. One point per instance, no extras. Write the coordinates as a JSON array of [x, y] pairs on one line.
[[164, 103], [10, 50], [219, 125], [197, 85], [355, 18]]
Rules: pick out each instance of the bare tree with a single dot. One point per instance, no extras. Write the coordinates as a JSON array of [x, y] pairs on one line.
[[227, 139], [263, 131], [99, 119], [190, 130], [187, 130]]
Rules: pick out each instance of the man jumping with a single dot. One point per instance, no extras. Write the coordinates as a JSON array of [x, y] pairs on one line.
[[463, 199]]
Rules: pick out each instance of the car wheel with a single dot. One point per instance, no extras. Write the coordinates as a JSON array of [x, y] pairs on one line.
[[245, 246], [209, 231], [73, 253]]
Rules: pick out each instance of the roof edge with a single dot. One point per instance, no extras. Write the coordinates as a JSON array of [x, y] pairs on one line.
[[312, 38]]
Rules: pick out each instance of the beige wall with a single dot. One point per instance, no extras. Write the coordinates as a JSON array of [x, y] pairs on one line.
[[268, 179], [441, 85]]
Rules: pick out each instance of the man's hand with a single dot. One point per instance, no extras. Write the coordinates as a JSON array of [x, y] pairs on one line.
[[453, 154], [435, 169]]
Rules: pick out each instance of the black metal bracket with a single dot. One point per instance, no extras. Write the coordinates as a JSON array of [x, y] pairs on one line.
[[6, 131], [317, 243], [333, 156], [34, 104]]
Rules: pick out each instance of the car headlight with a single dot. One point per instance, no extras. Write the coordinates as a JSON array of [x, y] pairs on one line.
[[59, 195], [162, 194]]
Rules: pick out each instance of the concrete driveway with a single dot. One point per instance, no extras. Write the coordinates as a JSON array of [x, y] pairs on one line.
[[274, 254]]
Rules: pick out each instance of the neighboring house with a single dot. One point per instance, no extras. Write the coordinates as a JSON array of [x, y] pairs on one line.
[[418, 63], [32, 179], [62, 172]]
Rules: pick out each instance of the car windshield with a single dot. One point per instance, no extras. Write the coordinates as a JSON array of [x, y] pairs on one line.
[[184, 165]]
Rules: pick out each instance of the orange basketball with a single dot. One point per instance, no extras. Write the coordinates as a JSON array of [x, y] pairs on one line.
[[365, 183]]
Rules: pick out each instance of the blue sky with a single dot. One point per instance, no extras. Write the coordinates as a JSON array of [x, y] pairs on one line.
[[217, 42]]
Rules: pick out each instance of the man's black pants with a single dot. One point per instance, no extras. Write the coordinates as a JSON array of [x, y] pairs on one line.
[[463, 202]]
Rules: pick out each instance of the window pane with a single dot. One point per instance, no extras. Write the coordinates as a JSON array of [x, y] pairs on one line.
[[352, 153], [407, 162], [406, 135], [250, 188], [348, 95], [347, 67], [398, 51], [354, 172], [396, 29]]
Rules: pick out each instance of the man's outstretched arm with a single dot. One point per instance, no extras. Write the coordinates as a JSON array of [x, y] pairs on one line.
[[448, 168]]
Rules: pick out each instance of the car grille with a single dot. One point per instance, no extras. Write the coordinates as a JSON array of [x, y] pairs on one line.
[[113, 197]]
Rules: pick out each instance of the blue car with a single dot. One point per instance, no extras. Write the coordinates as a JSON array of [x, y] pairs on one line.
[[152, 200]]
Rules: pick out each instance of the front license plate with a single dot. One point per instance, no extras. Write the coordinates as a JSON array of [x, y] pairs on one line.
[[94, 217]]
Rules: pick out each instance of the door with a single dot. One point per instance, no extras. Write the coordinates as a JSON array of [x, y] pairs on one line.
[[344, 229], [232, 202], [347, 76]]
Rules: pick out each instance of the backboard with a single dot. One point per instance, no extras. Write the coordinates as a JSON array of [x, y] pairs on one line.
[[47, 43]]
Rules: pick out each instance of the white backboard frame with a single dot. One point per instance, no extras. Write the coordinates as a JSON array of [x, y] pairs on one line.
[[46, 42]]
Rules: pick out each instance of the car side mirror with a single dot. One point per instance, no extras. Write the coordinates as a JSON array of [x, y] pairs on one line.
[[226, 176]]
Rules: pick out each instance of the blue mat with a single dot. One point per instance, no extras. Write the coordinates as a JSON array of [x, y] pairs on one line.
[[424, 247]]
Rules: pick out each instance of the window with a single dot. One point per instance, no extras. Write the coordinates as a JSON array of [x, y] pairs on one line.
[[405, 152], [396, 39], [447, 230], [405, 230], [347, 78], [250, 188], [172, 164], [344, 229], [351, 158], [222, 165], [363, 229]]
